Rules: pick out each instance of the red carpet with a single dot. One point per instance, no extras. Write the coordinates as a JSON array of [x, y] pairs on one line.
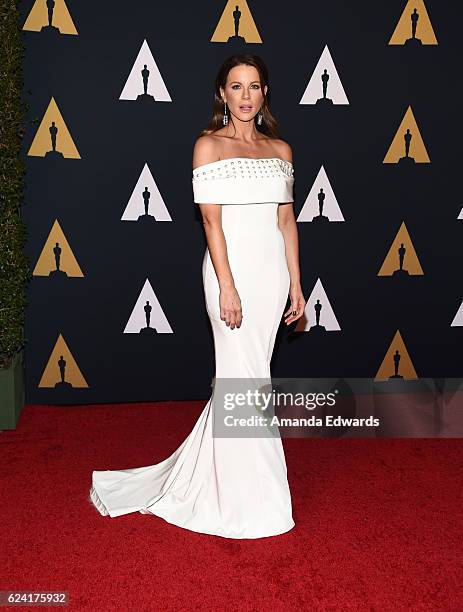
[[378, 523]]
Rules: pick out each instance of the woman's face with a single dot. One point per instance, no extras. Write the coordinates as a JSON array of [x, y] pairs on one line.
[[243, 92]]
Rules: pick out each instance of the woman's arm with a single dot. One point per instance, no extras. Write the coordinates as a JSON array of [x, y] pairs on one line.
[[288, 226], [229, 300], [216, 243]]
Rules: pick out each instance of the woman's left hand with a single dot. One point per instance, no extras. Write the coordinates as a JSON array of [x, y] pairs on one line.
[[296, 309]]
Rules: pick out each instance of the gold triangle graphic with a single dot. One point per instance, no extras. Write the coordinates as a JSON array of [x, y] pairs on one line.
[[411, 262], [51, 376], [42, 143], [47, 261], [61, 19], [424, 31], [397, 149], [406, 369], [243, 21]]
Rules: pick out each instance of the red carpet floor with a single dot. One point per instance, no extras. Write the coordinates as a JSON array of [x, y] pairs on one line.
[[379, 523]]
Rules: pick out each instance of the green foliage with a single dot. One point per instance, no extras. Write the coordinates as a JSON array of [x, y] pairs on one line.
[[14, 264]]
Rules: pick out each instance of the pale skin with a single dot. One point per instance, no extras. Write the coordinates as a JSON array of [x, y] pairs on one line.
[[242, 139]]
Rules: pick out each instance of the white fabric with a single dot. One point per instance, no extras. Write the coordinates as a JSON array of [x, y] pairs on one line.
[[243, 181], [230, 487]]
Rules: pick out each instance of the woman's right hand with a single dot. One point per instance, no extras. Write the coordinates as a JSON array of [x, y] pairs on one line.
[[230, 307]]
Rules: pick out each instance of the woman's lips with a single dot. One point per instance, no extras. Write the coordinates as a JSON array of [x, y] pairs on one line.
[[246, 109]]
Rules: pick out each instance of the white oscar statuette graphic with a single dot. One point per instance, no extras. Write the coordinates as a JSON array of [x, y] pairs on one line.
[[145, 82], [318, 314], [325, 87], [146, 203], [458, 319], [147, 316], [321, 204]]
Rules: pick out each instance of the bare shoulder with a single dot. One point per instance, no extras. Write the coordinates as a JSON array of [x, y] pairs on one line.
[[205, 150], [284, 149]]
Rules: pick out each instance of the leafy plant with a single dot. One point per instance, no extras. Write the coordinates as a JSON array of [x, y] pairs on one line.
[[14, 264]]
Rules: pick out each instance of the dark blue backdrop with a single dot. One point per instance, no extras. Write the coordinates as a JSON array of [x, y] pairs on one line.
[[115, 138]]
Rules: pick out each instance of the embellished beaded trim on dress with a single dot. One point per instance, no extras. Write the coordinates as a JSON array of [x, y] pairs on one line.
[[244, 167], [244, 180]]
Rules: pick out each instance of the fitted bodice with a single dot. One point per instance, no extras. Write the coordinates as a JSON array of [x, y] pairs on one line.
[[244, 180]]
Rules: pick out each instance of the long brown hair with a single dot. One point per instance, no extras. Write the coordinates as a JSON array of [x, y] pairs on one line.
[[269, 125]]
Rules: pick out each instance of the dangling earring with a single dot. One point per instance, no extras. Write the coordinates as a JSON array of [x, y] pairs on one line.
[[259, 117], [225, 116]]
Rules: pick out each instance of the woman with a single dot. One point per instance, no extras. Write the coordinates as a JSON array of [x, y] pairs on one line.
[[243, 183]]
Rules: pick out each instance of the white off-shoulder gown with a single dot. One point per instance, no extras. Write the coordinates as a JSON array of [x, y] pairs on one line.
[[231, 487]]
